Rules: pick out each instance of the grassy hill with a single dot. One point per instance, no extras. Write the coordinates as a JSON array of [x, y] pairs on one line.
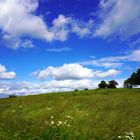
[[80, 115]]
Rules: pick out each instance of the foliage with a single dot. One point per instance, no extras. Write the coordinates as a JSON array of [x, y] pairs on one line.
[[12, 96], [103, 84], [111, 84], [134, 80]]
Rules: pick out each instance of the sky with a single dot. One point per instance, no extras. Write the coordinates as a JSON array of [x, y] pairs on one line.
[[62, 45]]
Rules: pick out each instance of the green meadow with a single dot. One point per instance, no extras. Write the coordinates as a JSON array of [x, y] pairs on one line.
[[101, 114]]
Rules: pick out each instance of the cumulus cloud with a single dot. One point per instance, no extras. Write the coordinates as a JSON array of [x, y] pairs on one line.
[[17, 19], [115, 15], [73, 72], [67, 71], [117, 18], [6, 75]]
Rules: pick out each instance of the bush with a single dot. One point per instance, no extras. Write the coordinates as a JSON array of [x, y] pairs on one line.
[[76, 90], [12, 96]]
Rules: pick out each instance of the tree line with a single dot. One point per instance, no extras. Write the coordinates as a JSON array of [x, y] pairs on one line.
[[132, 81]]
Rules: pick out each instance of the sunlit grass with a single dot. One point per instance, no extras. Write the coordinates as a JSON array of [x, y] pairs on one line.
[[81, 115]]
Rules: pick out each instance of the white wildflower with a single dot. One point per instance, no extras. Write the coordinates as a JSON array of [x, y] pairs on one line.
[[65, 122], [59, 123], [48, 108], [52, 122], [119, 137]]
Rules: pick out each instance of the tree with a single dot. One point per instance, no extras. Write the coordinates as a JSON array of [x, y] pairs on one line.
[[138, 77], [112, 84], [103, 84], [127, 83], [133, 80]]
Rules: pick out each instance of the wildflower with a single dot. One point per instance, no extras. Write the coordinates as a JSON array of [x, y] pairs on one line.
[[48, 108], [130, 134], [52, 122], [67, 116], [128, 137], [119, 137], [59, 123], [52, 117]]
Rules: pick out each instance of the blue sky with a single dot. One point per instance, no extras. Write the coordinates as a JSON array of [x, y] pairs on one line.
[[59, 45]]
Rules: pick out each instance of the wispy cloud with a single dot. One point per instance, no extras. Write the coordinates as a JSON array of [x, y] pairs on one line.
[[114, 61], [118, 20], [65, 49]]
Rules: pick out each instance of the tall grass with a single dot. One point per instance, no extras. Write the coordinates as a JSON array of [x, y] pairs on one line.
[[79, 115]]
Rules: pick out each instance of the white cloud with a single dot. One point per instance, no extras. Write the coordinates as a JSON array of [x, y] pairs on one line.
[[67, 71], [60, 27], [65, 49], [72, 71], [2, 68], [63, 26], [6, 75], [83, 29], [61, 21], [119, 17], [27, 88], [134, 56], [114, 61], [27, 44], [17, 19], [111, 72]]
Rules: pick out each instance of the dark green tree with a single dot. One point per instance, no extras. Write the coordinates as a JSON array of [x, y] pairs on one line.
[[137, 77], [127, 83], [112, 84], [134, 80], [103, 84]]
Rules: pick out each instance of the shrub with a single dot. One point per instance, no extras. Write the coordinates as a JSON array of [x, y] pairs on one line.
[[12, 96]]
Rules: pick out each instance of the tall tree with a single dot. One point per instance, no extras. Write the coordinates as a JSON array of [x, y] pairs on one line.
[[134, 80], [112, 84], [103, 84]]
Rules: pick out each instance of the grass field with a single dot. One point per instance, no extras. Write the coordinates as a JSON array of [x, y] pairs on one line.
[[80, 115]]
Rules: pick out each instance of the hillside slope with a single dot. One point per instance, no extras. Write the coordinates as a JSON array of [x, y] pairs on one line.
[[80, 115]]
